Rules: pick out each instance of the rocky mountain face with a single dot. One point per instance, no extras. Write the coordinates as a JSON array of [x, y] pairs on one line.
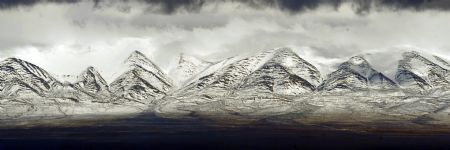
[[279, 71], [279, 83], [284, 74], [92, 83], [143, 81], [271, 82], [356, 74], [27, 90], [421, 72], [21, 78]]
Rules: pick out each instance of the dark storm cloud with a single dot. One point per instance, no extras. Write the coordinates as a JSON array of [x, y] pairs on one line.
[[293, 6], [7, 4], [170, 6], [16, 3], [360, 6], [100, 32], [167, 6], [290, 6], [366, 6], [417, 4]]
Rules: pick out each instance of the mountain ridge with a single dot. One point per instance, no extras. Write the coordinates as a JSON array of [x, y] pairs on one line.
[[143, 81], [188, 66], [232, 76], [20, 73], [280, 68], [276, 81], [356, 73]]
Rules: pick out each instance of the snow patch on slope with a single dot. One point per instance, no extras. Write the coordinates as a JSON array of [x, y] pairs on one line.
[[188, 67]]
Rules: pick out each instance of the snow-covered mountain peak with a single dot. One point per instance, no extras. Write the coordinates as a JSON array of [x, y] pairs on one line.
[[11, 60], [297, 65], [90, 69], [143, 81], [188, 66], [184, 58], [358, 64], [21, 65], [88, 72], [136, 55], [356, 73], [92, 82], [137, 58], [279, 71], [411, 53], [422, 71], [91, 75], [18, 76], [358, 60]]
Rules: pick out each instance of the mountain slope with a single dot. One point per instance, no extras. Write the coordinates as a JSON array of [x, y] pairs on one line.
[[91, 82], [144, 80], [419, 71], [19, 78], [356, 73], [279, 67], [285, 74], [188, 67]]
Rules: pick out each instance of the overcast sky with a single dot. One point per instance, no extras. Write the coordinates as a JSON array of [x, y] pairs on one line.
[[65, 37]]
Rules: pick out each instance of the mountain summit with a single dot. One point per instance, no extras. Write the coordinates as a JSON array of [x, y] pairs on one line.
[[19, 77], [188, 67], [422, 72], [144, 80], [278, 71], [92, 82], [284, 73], [356, 73]]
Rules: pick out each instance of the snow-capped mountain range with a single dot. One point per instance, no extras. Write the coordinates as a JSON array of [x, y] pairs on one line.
[[265, 81], [278, 71]]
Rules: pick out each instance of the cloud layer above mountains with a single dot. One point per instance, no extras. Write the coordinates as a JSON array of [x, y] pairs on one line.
[[66, 36], [291, 6]]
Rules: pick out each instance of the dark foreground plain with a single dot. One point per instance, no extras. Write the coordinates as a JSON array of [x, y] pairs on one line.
[[150, 132]]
